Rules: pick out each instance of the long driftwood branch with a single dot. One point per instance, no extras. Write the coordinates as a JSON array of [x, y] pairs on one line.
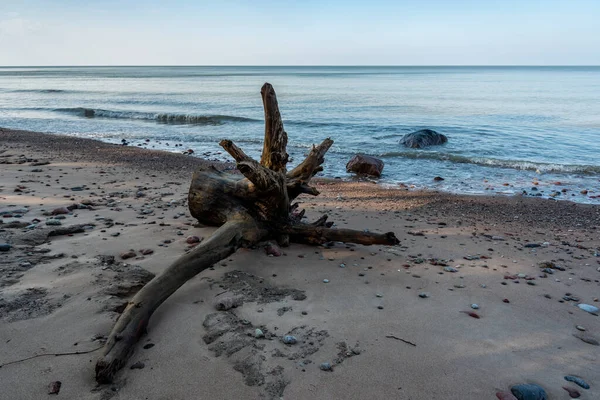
[[314, 234], [132, 324]]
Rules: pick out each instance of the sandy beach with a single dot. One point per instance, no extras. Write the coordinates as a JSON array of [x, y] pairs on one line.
[[393, 322]]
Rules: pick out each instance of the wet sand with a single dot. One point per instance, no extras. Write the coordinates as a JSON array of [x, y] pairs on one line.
[[62, 293]]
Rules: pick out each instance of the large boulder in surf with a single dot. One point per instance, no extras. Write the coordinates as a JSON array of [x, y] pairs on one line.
[[423, 138], [365, 165]]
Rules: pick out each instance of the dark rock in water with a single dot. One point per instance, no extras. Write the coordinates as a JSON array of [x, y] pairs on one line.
[[5, 247], [423, 138], [438, 179], [573, 393], [578, 381], [365, 165], [529, 392]]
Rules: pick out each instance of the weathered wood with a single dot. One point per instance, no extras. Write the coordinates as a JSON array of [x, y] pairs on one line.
[[316, 234], [239, 230], [246, 210], [274, 155]]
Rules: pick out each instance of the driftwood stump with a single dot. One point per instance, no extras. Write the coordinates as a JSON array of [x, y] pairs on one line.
[[247, 210]]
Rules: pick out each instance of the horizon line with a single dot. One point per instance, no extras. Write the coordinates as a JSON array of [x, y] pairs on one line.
[[302, 65]]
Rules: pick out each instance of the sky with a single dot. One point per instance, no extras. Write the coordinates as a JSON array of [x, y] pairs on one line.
[[300, 32]]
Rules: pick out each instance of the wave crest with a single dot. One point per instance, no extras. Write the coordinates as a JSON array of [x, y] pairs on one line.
[[163, 118]]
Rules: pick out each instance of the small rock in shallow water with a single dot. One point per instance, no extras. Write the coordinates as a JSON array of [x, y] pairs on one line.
[[289, 339], [529, 392], [589, 308], [325, 366], [578, 381], [574, 393]]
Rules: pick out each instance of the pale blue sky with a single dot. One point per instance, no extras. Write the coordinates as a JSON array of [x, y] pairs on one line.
[[302, 32]]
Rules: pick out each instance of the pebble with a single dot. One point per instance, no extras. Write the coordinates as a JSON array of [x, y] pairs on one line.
[[505, 396], [60, 211], [146, 252], [475, 306], [5, 247], [506, 301], [342, 265], [127, 254], [450, 269], [529, 392], [53, 222], [259, 333], [54, 387], [325, 366], [589, 308], [379, 295], [574, 393], [289, 339], [580, 328], [423, 295], [578, 381], [587, 339], [531, 283], [138, 365], [325, 280]]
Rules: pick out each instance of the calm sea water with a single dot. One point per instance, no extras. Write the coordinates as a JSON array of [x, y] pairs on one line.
[[507, 126]]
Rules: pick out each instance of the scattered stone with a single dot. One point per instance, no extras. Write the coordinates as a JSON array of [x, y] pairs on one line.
[[228, 301], [423, 295], [580, 328], [475, 306], [573, 393], [365, 165], [258, 333], [271, 249], [588, 308], [505, 396], [423, 138], [529, 392], [193, 240], [148, 346], [578, 381], [438, 179], [289, 339], [450, 269], [325, 366], [506, 301], [60, 211], [532, 245], [128, 254], [53, 222], [137, 365], [54, 387], [146, 252], [5, 247], [587, 339], [325, 280]]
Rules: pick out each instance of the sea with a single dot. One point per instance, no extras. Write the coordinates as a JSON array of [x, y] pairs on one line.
[[531, 131]]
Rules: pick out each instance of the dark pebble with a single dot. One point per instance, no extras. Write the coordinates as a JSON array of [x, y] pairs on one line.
[[578, 381], [529, 392], [5, 247], [148, 346], [138, 365]]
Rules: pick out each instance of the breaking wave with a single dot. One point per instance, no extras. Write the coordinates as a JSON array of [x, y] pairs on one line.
[[494, 162], [163, 118]]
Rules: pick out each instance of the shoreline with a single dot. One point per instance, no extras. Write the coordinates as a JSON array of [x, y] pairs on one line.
[[97, 150], [63, 293]]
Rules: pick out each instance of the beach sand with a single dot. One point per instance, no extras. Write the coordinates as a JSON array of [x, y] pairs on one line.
[[63, 293]]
